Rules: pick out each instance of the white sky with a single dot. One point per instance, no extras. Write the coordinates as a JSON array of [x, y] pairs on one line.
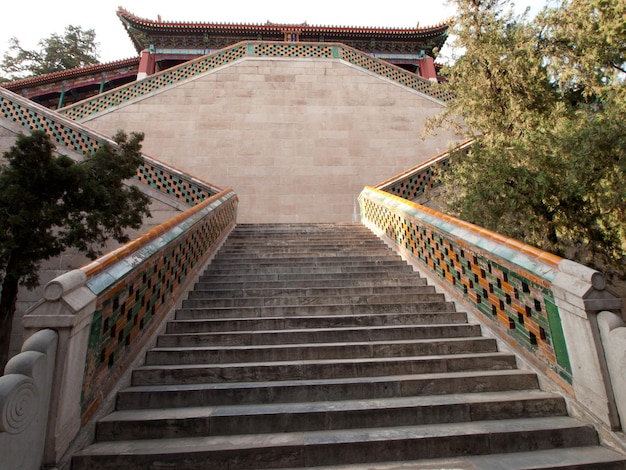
[[32, 20]]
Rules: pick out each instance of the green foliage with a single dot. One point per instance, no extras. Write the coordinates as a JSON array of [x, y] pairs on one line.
[[49, 203], [76, 48], [544, 100]]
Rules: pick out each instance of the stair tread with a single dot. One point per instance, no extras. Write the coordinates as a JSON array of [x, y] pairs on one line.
[[334, 437], [340, 328], [303, 362], [248, 293], [286, 384], [312, 317], [319, 345], [560, 458], [305, 382], [396, 307], [342, 405]]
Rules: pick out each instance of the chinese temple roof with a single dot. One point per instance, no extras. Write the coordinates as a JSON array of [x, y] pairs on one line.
[[75, 84], [71, 74], [172, 43], [146, 33]]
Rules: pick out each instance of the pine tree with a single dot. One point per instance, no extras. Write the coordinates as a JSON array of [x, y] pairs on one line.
[[544, 100], [76, 48], [49, 203]]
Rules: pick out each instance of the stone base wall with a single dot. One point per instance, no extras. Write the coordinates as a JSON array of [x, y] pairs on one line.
[[297, 139]]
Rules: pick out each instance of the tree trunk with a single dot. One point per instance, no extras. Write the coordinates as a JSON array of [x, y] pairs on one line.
[[8, 299]]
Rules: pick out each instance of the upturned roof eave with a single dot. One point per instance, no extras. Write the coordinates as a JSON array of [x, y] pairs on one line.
[[137, 26], [69, 74]]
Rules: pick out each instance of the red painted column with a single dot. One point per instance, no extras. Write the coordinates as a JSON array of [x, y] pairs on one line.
[[146, 64], [427, 68]]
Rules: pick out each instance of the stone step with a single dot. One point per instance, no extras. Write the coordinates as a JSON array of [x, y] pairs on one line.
[[315, 268], [319, 335], [301, 233], [308, 300], [188, 313], [333, 247], [568, 458], [243, 262], [251, 292], [313, 345], [299, 417], [280, 252], [246, 263], [408, 282], [213, 325], [310, 449], [274, 239], [318, 369], [293, 391], [282, 352], [364, 276], [286, 254], [276, 233]]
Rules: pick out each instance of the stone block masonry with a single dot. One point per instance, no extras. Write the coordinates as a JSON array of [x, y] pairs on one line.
[[297, 139]]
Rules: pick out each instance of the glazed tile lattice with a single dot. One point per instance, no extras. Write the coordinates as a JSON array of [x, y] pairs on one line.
[[414, 185], [293, 50], [230, 54], [521, 303], [129, 307], [182, 188], [60, 133], [82, 142], [394, 73], [154, 83]]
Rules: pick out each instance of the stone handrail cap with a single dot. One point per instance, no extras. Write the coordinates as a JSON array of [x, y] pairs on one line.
[[578, 271], [63, 284]]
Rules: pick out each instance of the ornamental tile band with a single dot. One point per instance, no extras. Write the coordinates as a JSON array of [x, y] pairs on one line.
[[413, 183], [134, 292], [154, 83], [30, 117], [204, 64], [516, 297]]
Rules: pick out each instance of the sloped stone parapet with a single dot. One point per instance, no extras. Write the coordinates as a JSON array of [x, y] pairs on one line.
[[67, 307], [25, 391], [613, 334], [581, 294], [541, 305]]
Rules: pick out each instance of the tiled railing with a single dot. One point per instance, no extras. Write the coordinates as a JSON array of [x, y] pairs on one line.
[[395, 74], [106, 312], [241, 50], [29, 116], [508, 282], [138, 284], [413, 183]]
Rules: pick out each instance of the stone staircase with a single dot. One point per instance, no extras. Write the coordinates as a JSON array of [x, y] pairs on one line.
[[317, 346]]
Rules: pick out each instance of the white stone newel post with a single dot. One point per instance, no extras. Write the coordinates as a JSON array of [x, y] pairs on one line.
[[580, 294], [67, 307], [25, 390], [613, 334]]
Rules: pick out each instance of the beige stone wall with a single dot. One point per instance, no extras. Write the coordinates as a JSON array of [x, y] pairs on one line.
[[297, 139], [7, 139]]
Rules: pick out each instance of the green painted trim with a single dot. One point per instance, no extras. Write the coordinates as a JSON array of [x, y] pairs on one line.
[[509, 254], [61, 98], [558, 337]]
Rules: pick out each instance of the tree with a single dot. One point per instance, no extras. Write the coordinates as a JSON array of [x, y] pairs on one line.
[[76, 48], [49, 203], [544, 100]]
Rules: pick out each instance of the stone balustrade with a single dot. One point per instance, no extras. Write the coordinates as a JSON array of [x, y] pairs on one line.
[[25, 390], [544, 307]]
